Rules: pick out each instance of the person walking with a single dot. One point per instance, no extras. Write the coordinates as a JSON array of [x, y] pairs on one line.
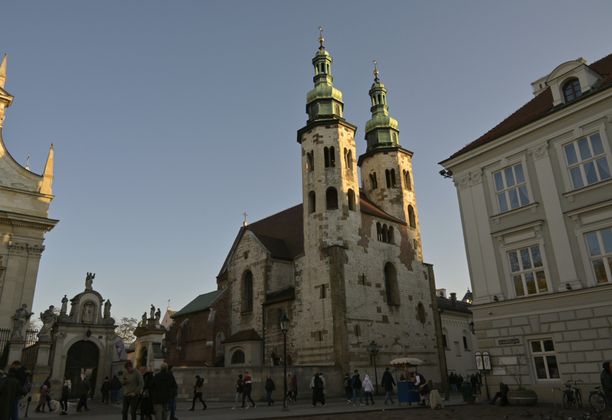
[[11, 392], [146, 403], [115, 387], [293, 388], [388, 383], [172, 403], [356, 385], [239, 391], [105, 391], [83, 391], [269, 388], [162, 391], [317, 384], [132, 387], [197, 393], [44, 398], [606, 383], [348, 388], [246, 392], [368, 389], [66, 388]]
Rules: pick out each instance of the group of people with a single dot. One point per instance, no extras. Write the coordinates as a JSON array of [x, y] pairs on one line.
[[456, 381]]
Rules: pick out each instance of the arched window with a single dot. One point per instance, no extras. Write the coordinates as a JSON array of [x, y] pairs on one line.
[[390, 235], [385, 232], [378, 231], [312, 202], [373, 181], [571, 90], [247, 291], [351, 199], [348, 158], [392, 173], [329, 154], [391, 287], [407, 180], [331, 198], [310, 161], [411, 216], [388, 178], [238, 357]]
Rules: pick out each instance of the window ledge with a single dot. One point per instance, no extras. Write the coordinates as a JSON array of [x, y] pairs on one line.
[[531, 206], [571, 194]]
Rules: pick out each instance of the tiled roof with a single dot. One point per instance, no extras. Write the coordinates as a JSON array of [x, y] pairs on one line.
[[453, 305], [199, 304], [280, 296], [538, 107], [244, 335]]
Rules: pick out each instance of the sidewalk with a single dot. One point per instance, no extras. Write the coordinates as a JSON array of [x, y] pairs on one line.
[[223, 410]]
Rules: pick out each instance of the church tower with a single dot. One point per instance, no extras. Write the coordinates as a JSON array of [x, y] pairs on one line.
[[24, 203], [386, 167]]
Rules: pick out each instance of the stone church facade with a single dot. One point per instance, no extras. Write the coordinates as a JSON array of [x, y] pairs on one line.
[[346, 266], [25, 198]]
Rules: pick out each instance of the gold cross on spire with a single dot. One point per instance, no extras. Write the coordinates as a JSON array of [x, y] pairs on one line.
[[376, 72], [244, 222], [321, 39]]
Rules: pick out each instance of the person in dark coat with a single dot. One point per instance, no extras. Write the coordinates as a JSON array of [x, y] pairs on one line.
[[246, 391], [83, 389], [10, 394], [197, 393], [105, 390], [606, 382], [163, 390], [115, 387], [317, 384], [146, 404], [348, 388], [270, 387], [66, 388], [388, 383]]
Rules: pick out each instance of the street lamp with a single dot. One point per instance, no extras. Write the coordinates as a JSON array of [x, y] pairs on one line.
[[284, 326], [373, 350]]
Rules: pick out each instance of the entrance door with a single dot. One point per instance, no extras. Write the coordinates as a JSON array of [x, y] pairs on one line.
[[82, 358]]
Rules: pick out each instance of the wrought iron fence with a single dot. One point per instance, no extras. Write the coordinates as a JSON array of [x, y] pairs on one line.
[[31, 338]]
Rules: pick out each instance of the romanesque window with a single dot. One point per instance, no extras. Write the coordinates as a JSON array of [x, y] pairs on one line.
[[407, 180], [373, 181], [331, 198], [310, 161], [348, 158], [421, 316], [586, 161], [238, 357], [544, 359], [571, 90], [379, 231], [411, 216], [527, 271], [247, 291], [599, 245], [329, 155], [390, 238], [511, 188], [385, 234], [323, 292], [351, 199], [390, 178], [391, 286], [312, 202]]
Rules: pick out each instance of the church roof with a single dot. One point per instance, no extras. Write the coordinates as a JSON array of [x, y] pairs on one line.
[[538, 107], [244, 335], [283, 233], [454, 305], [199, 304]]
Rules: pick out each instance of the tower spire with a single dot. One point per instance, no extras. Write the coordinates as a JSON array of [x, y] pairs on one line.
[[376, 72], [382, 129], [321, 39], [46, 185], [3, 71]]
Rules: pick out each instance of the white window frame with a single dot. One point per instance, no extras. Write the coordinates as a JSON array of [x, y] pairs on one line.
[[523, 271], [500, 166], [506, 190], [543, 354], [605, 220], [604, 256], [580, 164]]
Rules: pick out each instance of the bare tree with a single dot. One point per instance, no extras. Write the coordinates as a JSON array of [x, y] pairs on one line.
[[125, 329]]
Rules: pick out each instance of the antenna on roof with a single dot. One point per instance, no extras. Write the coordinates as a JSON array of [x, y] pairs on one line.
[[244, 222]]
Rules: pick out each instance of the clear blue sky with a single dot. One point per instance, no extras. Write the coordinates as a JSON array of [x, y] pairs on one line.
[[171, 118]]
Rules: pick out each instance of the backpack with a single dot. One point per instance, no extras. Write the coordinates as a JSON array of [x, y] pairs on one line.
[[318, 382]]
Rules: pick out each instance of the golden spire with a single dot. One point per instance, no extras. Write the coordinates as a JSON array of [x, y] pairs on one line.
[[321, 39], [3, 72], [376, 72]]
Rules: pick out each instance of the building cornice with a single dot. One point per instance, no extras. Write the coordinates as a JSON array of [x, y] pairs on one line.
[[383, 150], [27, 221], [328, 121]]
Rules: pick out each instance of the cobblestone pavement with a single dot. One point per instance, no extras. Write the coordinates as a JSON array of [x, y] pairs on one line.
[[338, 410]]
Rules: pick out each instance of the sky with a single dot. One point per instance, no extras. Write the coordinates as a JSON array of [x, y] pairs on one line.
[[170, 119]]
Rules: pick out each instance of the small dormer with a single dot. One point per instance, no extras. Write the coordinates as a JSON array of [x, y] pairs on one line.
[[568, 81]]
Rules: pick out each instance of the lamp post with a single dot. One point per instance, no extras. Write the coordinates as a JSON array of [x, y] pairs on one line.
[[373, 350], [284, 326]]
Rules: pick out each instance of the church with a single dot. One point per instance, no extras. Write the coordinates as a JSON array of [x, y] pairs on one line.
[[345, 266]]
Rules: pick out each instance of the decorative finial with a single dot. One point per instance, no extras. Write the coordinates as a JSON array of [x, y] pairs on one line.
[[3, 71], [27, 164], [321, 39], [376, 72], [244, 222]]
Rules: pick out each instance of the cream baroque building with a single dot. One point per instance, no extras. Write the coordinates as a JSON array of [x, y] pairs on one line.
[[24, 204], [346, 265], [535, 195]]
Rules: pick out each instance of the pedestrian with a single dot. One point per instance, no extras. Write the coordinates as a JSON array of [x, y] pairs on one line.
[[388, 383], [132, 387], [269, 388], [348, 388], [11, 392], [115, 386], [239, 391], [317, 384], [422, 386], [246, 391], [197, 393], [606, 383], [172, 403], [145, 402], [368, 389], [502, 395], [44, 397], [105, 391], [356, 385], [83, 391], [66, 388], [293, 387], [162, 391]]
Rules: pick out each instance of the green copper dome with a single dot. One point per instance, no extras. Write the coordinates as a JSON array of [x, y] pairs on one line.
[[382, 129]]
